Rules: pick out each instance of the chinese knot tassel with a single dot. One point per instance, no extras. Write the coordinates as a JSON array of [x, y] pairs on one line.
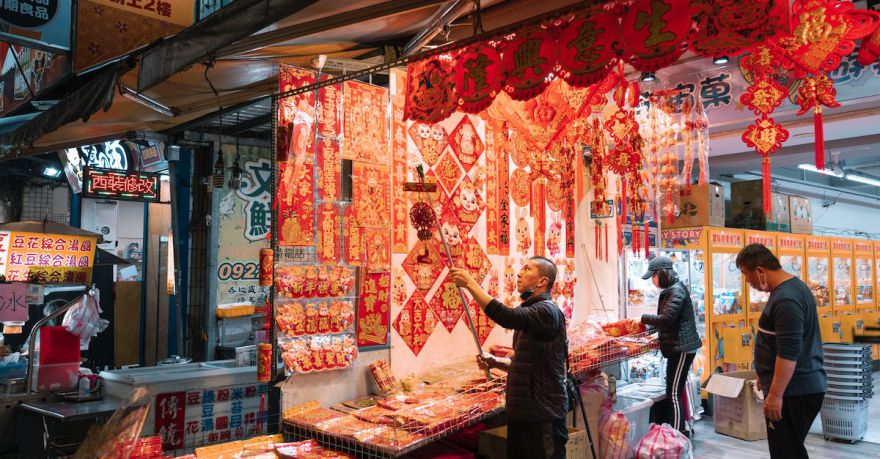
[[820, 137], [623, 200], [765, 173], [620, 234], [636, 237], [647, 240]]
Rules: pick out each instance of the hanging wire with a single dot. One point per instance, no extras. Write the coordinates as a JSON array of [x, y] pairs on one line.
[[477, 18]]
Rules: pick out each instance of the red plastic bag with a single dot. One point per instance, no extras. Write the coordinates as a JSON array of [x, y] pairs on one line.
[[615, 435], [664, 442]]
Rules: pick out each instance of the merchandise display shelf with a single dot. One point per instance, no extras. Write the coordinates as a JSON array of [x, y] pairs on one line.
[[592, 356]]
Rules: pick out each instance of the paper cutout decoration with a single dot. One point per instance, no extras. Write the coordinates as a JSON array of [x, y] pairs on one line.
[[374, 310], [371, 194], [446, 304], [465, 142], [424, 263], [729, 27], [296, 206], [366, 123], [329, 250], [468, 205], [415, 322], [449, 172], [378, 249], [430, 139], [430, 90], [474, 259], [520, 187]]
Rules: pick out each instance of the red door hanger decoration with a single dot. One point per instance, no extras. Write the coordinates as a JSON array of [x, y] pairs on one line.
[[765, 136], [478, 77], [527, 61], [446, 304], [652, 33], [816, 91], [329, 249], [586, 49], [424, 263], [430, 93], [729, 27], [296, 206]]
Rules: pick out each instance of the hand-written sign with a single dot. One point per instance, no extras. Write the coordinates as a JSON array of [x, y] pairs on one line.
[[13, 307], [133, 186]]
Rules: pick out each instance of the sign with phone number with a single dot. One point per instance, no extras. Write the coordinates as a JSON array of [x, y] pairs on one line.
[[238, 271]]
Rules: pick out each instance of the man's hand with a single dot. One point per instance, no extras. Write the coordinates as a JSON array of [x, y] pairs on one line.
[[463, 278], [488, 361], [773, 407]]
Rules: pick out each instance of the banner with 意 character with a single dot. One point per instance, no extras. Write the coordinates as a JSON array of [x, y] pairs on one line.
[[374, 310]]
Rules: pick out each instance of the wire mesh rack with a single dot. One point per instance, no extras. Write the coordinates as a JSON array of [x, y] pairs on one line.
[[597, 353], [397, 425]]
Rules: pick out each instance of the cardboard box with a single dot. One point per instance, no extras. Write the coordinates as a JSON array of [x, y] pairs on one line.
[[704, 206], [801, 211], [747, 208], [493, 443], [738, 412]]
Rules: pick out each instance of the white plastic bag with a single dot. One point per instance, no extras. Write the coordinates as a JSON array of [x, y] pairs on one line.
[[84, 319], [615, 435], [664, 442]]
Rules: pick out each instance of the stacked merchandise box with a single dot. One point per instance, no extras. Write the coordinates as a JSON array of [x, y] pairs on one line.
[[747, 208], [801, 214], [703, 205]]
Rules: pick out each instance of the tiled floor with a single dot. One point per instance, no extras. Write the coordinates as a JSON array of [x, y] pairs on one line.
[[710, 445]]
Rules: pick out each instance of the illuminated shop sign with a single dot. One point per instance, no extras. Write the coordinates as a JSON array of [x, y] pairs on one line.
[[132, 186]]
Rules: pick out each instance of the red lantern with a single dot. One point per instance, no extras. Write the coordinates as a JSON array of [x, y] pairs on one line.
[[585, 49], [477, 77], [652, 33], [527, 61], [430, 91]]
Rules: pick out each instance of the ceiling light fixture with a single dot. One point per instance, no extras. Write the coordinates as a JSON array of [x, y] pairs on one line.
[[861, 179], [812, 168], [152, 104], [720, 60], [648, 77], [52, 172]]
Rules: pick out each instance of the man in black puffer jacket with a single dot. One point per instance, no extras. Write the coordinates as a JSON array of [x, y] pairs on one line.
[[536, 396], [679, 340]]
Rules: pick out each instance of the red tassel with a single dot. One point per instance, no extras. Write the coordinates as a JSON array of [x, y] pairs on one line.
[[767, 182], [619, 235], [820, 137], [605, 235], [596, 240], [623, 200], [636, 237], [647, 240]]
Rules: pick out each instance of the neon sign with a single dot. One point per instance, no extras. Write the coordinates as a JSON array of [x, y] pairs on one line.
[[132, 186]]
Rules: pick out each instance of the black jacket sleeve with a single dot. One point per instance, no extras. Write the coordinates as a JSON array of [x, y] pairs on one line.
[[538, 319], [671, 309]]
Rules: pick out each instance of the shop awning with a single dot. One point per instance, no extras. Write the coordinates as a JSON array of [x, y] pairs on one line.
[[241, 71]]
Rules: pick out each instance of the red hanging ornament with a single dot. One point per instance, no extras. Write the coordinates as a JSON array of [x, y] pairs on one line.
[[823, 32], [729, 27], [430, 91], [422, 217], [477, 77], [764, 95], [813, 94], [870, 49], [653, 32], [527, 61], [586, 50], [765, 136]]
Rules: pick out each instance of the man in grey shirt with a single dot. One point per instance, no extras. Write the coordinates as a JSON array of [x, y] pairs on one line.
[[788, 352]]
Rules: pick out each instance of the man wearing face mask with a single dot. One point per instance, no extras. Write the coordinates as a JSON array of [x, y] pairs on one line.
[[536, 395], [679, 340], [788, 352]]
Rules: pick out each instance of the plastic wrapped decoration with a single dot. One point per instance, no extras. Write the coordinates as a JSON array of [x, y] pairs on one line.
[[615, 435], [84, 319], [664, 442]]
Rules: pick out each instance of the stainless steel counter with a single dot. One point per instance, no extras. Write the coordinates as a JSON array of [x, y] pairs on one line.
[[119, 383], [69, 411]]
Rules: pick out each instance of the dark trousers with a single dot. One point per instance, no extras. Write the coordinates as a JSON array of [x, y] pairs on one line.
[[786, 436], [677, 368], [536, 440]]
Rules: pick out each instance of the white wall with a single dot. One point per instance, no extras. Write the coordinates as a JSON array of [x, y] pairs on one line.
[[841, 217]]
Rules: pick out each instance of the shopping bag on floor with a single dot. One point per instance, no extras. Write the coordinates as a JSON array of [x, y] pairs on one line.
[[615, 435], [664, 442]]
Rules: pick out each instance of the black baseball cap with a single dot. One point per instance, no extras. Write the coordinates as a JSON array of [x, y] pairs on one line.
[[656, 264]]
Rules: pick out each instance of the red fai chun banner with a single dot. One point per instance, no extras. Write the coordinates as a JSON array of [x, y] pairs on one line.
[[374, 310]]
